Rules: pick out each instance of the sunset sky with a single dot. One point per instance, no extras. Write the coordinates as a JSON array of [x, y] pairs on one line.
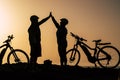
[[90, 19]]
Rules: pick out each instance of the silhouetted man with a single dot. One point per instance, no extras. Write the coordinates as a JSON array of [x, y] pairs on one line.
[[61, 38], [35, 37]]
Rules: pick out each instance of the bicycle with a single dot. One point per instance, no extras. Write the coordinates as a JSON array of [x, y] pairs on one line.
[[106, 55], [15, 55]]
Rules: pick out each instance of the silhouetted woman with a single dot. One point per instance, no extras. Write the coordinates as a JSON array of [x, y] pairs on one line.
[[61, 38], [35, 37]]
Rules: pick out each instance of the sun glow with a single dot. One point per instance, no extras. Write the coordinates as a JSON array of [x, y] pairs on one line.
[[4, 22], [88, 19]]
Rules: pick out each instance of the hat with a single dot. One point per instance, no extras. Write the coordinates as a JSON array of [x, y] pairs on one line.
[[33, 17], [64, 20]]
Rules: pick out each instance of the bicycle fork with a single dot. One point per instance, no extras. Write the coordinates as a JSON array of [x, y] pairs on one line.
[[72, 57], [16, 59]]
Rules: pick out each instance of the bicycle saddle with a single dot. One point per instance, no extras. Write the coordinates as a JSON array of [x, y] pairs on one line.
[[99, 40]]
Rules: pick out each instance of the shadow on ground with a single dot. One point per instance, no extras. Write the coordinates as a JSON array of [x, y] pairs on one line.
[[55, 72]]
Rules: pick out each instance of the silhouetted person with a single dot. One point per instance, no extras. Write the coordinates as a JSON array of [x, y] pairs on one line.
[[61, 39], [35, 37]]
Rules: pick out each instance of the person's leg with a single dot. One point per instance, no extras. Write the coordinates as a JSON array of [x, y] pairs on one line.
[[64, 58], [62, 53], [33, 59]]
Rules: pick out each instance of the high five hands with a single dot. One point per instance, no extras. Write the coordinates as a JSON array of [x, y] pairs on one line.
[[50, 15]]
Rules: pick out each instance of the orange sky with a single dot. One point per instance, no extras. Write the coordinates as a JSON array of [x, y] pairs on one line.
[[91, 19]]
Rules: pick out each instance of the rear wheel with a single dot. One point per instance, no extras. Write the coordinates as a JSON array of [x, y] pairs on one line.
[[111, 60]]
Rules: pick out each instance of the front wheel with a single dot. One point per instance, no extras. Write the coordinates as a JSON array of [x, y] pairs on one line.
[[17, 56], [73, 57], [108, 57]]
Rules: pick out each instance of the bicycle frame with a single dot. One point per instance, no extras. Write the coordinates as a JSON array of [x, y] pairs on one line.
[[86, 49], [81, 44], [7, 45], [15, 55], [102, 53]]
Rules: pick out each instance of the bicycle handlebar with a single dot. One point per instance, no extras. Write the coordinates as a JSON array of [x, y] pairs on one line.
[[82, 39], [10, 37], [77, 37]]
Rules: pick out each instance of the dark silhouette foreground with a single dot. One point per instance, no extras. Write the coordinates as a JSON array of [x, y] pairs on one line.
[[35, 37], [56, 72], [61, 35]]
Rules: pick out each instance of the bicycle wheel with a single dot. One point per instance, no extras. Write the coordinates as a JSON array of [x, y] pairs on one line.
[[17, 56], [114, 55], [73, 57]]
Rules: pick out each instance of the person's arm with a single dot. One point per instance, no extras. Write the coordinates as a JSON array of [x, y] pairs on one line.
[[44, 20], [55, 22]]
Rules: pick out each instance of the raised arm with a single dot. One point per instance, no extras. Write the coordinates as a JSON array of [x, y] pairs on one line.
[[55, 22], [44, 20]]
